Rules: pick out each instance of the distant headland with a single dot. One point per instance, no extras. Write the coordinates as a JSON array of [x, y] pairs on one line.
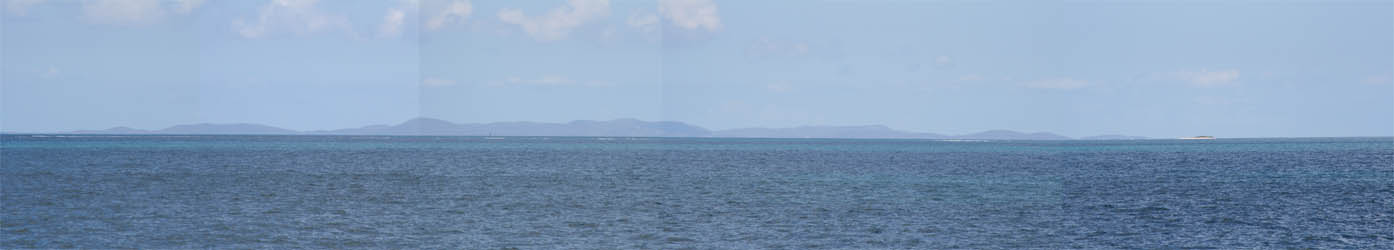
[[616, 128]]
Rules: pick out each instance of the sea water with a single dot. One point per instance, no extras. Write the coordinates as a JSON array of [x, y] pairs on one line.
[[584, 192]]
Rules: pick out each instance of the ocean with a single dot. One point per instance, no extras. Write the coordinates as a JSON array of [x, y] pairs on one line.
[[59, 191]]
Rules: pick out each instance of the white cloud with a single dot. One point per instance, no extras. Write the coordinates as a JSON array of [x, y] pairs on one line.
[[186, 6], [123, 11], [296, 16], [437, 82], [1057, 83], [691, 14], [644, 22], [558, 22], [396, 18], [20, 7], [454, 12], [392, 23], [127, 11], [943, 61], [1206, 78]]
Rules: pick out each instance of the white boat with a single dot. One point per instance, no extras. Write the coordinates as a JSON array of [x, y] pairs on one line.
[[1202, 137]]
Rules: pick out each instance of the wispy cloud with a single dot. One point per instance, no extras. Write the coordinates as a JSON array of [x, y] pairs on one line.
[[123, 11], [1057, 83], [943, 62], [691, 14], [295, 16], [437, 82], [1376, 80], [50, 73], [1206, 78], [127, 12], [644, 22], [130, 12], [550, 80], [20, 7], [454, 12], [545, 80], [185, 6], [116, 12], [558, 23], [392, 23], [396, 18]]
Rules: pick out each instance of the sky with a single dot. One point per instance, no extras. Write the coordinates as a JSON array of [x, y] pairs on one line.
[[1076, 68]]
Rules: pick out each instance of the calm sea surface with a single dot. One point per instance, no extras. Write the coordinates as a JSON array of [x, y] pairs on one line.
[[549, 193]]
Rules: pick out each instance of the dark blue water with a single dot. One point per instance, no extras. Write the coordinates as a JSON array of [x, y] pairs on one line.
[[548, 193]]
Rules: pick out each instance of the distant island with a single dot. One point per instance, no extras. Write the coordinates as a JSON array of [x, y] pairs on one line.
[[1199, 137], [616, 128]]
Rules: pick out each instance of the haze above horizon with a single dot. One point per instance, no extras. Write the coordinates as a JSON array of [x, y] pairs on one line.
[[1156, 69]]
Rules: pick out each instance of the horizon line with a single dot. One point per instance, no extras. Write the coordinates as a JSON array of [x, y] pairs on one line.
[[70, 134], [329, 131]]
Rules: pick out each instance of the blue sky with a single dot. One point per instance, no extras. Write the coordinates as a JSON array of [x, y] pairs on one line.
[[1078, 68]]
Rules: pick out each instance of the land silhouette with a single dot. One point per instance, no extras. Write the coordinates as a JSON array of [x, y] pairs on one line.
[[616, 128]]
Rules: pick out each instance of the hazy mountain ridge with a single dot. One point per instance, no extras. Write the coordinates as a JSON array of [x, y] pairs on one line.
[[199, 129], [617, 127]]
